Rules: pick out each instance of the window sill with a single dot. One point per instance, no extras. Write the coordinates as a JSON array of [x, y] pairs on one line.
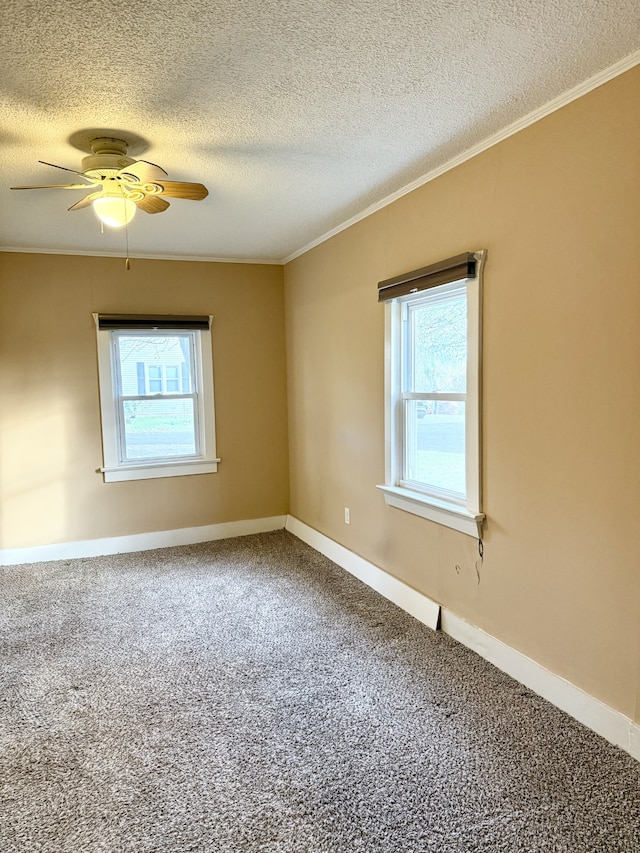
[[148, 471], [448, 514]]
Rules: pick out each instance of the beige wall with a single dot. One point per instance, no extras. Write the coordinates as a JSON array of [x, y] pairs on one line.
[[50, 443], [558, 208]]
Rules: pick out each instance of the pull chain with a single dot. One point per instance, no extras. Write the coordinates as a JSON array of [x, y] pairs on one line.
[[127, 262]]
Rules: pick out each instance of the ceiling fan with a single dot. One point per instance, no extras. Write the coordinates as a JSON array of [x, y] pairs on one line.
[[122, 185]]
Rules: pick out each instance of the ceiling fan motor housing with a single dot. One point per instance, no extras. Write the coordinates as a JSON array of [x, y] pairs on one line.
[[109, 153]]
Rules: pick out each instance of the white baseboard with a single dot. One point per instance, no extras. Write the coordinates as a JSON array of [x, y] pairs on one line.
[[591, 712], [635, 740], [410, 600], [588, 710], [139, 541]]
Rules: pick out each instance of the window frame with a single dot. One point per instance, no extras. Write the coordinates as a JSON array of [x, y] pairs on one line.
[[460, 513], [204, 461]]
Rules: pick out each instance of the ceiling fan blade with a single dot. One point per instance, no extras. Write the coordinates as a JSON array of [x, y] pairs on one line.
[[84, 202], [75, 171], [152, 204], [144, 171], [183, 189], [55, 187]]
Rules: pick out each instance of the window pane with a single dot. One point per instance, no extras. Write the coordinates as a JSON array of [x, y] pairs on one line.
[[158, 428], [168, 356], [437, 337], [435, 445], [173, 382]]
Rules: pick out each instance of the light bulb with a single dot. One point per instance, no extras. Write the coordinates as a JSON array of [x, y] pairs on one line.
[[114, 210]]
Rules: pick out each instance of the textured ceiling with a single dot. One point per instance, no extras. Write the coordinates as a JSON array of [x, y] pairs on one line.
[[296, 114]]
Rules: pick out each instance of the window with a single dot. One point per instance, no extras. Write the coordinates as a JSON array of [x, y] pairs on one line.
[[156, 396], [432, 390], [163, 378]]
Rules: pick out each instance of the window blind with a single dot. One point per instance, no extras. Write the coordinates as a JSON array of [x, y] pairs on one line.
[[152, 321], [443, 272]]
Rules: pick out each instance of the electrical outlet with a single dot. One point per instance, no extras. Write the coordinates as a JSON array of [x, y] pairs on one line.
[[347, 515]]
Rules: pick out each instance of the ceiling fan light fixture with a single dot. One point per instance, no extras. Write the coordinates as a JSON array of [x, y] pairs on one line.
[[122, 185], [115, 211]]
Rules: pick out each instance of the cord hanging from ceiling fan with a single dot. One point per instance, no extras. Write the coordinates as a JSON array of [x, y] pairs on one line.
[[127, 262]]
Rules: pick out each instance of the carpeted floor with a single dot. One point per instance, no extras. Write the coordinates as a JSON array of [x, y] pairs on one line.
[[248, 695]]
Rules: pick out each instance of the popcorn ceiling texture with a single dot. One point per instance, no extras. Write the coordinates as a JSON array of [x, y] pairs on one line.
[[296, 114]]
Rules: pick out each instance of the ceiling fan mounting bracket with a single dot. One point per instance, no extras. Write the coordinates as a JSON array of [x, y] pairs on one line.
[[109, 153], [109, 145]]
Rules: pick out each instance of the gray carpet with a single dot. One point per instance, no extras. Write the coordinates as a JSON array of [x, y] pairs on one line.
[[249, 695]]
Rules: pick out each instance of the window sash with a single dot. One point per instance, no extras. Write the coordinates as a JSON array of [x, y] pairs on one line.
[[408, 345], [124, 457], [411, 306], [411, 462], [115, 335]]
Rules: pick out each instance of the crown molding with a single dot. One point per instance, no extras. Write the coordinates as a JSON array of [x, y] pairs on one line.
[[552, 106], [138, 257]]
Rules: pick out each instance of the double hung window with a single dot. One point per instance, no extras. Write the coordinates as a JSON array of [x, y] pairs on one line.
[[156, 396], [433, 332]]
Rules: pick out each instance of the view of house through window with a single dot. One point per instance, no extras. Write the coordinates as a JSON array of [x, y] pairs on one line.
[[164, 377], [157, 395]]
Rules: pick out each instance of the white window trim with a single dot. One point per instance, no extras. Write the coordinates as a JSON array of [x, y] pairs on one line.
[[466, 517], [116, 471]]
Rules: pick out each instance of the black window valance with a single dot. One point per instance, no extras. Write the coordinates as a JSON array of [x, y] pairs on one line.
[[152, 321], [443, 272]]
